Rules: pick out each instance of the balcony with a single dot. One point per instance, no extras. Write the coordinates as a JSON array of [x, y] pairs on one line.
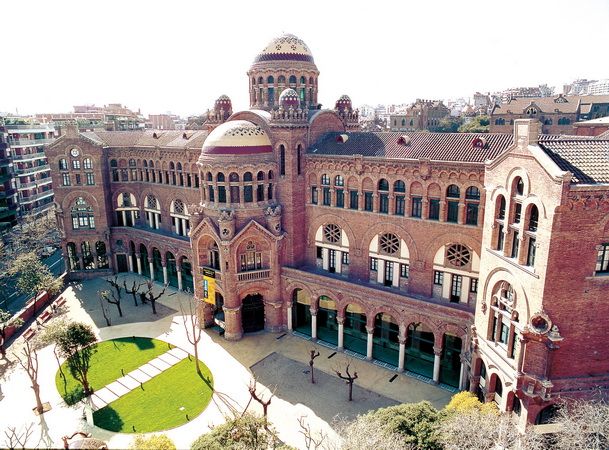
[[31, 170], [42, 208], [254, 275], [5, 177], [7, 212], [34, 197], [7, 193], [30, 128], [35, 183], [29, 156], [29, 142]]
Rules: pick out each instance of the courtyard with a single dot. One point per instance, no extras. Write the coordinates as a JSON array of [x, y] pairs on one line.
[[278, 361]]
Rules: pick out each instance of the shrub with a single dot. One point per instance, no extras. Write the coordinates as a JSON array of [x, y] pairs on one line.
[[155, 442], [246, 432]]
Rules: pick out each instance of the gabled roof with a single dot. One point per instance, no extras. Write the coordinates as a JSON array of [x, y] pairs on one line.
[[569, 104], [453, 147], [585, 157], [148, 138]]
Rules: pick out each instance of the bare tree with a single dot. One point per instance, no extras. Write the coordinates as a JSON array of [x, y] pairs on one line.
[[49, 336], [18, 439], [265, 403], [114, 300], [314, 354], [133, 289], [315, 441], [151, 297], [29, 363], [104, 309], [349, 379], [192, 326], [583, 424]]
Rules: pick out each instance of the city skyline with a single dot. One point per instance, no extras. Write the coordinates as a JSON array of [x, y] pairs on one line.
[[180, 59]]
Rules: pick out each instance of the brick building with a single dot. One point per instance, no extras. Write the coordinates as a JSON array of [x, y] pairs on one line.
[[421, 115], [287, 217]]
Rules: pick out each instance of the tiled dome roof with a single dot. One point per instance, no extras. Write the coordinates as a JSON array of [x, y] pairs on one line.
[[285, 47], [237, 137], [289, 98]]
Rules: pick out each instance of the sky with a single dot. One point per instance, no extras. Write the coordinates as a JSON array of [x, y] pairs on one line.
[[180, 55]]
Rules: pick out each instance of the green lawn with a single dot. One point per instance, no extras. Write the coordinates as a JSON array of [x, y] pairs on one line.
[[165, 401], [126, 353]]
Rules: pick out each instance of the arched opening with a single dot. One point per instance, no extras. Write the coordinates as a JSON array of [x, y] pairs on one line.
[[132, 256], [355, 334], [452, 209], [497, 388], [102, 256], [301, 312], [172, 269], [327, 326], [386, 344], [144, 261], [187, 281], [252, 313], [450, 362], [87, 256], [73, 261], [419, 349], [157, 264], [547, 415]]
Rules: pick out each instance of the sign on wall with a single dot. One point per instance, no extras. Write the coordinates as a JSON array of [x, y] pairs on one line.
[[209, 286]]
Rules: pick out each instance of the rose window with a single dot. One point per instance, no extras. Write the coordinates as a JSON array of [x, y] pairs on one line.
[[389, 243], [458, 255], [332, 233]]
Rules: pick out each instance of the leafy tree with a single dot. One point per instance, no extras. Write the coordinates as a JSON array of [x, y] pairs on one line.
[[155, 442], [50, 335], [466, 401], [7, 320], [447, 125], [34, 277], [75, 345], [416, 422], [479, 124], [245, 432]]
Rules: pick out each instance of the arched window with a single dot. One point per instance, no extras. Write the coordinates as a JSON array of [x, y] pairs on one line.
[[303, 80], [325, 180], [153, 212], [233, 177], [82, 215], [253, 81], [472, 202], [389, 261], [293, 79], [63, 164], [87, 164], [455, 269], [131, 164], [282, 159], [499, 239], [260, 176], [533, 218], [281, 79], [452, 210], [519, 184], [248, 189], [220, 177], [113, 163], [102, 257], [180, 219], [531, 111], [270, 174], [127, 211], [332, 249], [531, 245], [339, 180], [383, 185], [453, 191], [247, 176], [403, 122], [260, 80], [564, 121], [500, 121], [399, 186], [503, 319], [73, 261], [87, 256], [270, 79]]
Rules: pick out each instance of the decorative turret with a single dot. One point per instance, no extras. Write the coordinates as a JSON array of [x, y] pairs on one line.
[[289, 109], [226, 221], [223, 108], [273, 219], [344, 109]]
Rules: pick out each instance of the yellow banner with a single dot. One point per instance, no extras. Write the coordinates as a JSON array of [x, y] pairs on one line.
[[209, 286]]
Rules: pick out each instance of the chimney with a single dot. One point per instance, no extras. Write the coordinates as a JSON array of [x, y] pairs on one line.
[[526, 132]]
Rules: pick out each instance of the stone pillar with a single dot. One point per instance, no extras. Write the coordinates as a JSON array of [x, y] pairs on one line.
[[461, 216], [233, 330], [370, 331], [165, 277], [178, 223], [208, 313], [314, 324], [402, 354], [462, 374], [289, 321], [151, 268], [341, 333], [138, 259], [442, 210], [179, 272], [124, 214], [184, 227], [436, 364], [273, 320], [130, 260]]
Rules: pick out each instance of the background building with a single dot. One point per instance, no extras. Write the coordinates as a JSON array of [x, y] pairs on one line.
[[112, 117], [421, 115]]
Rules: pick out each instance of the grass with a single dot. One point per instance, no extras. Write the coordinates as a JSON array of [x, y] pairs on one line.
[[168, 400], [126, 353]]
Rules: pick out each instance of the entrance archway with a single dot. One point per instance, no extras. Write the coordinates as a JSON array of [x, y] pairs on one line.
[[172, 270], [157, 265], [450, 363], [419, 349], [327, 326], [385, 343], [301, 312], [144, 260], [187, 281], [252, 313], [355, 334], [121, 263]]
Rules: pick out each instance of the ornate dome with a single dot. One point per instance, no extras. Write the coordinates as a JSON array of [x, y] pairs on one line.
[[237, 138], [289, 99], [343, 103], [223, 104], [285, 47]]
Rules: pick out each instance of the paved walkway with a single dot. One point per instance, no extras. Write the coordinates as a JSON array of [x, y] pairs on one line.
[[136, 378]]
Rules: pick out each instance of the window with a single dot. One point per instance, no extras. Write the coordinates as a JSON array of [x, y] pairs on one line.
[[65, 179], [281, 158], [326, 197], [90, 178], [319, 252], [374, 264], [87, 163], [345, 258], [517, 212], [515, 244], [434, 209], [519, 186], [400, 205], [260, 193], [499, 121], [76, 164], [399, 186], [339, 180], [389, 243], [332, 233], [367, 201], [453, 191], [602, 259], [251, 261], [383, 185], [500, 238], [472, 199], [452, 214], [404, 270], [340, 198], [314, 195], [531, 252], [78, 180], [353, 200], [82, 215], [248, 194], [501, 213], [384, 204], [473, 285], [417, 207], [438, 277], [63, 164], [325, 180], [222, 194], [533, 218]]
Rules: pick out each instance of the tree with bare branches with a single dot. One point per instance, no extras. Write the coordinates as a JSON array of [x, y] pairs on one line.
[[314, 354], [29, 363], [50, 335], [192, 326], [116, 298], [133, 289], [18, 439], [583, 424], [151, 297], [111, 298], [255, 396], [104, 310], [349, 379]]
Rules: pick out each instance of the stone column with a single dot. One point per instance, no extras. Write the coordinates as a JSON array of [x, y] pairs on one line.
[[370, 331], [289, 321], [165, 277], [177, 230], [139, 263], [424, 207], [314, 324], [124, 214], [233, 330], [151, 268], [179, 272], [442, 210], [130, 260], [184, 227], [402, 354], [273, 320], [341, 333], [437, 351], [462, 374], [461, 216]]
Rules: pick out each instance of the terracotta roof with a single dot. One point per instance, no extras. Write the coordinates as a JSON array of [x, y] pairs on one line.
[[587, 159], [457, 147], [593, 122], [164, 138], [569, 104]]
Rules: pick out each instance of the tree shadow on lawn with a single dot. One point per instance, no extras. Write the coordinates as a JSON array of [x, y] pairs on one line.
[[108, 419]]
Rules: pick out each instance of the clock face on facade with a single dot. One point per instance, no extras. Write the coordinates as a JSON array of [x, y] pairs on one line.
[[74, 152]]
